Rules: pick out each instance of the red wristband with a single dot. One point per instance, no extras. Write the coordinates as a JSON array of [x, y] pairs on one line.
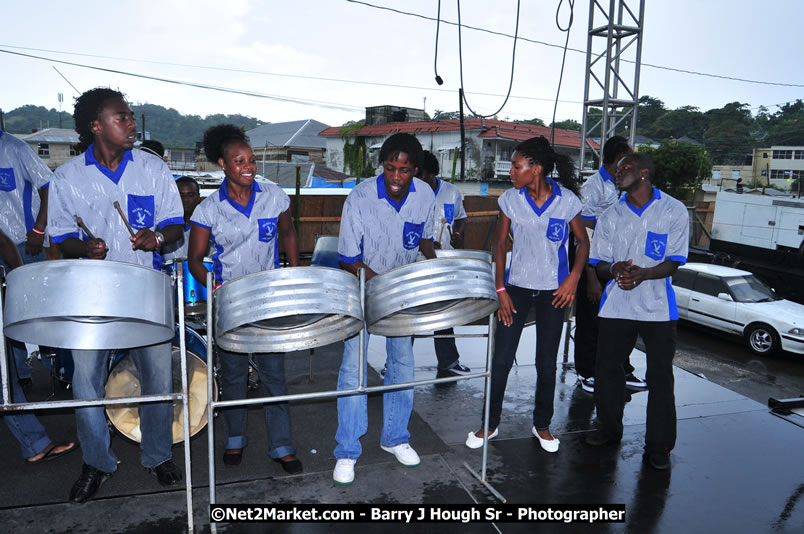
[[39, 232], [500, 289]]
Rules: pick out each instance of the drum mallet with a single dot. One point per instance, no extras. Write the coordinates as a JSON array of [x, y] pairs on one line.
[[123, 216], [84, 227], [443, 223]]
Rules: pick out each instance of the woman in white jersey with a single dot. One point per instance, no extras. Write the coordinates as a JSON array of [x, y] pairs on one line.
[[538, 212], [243, 221]]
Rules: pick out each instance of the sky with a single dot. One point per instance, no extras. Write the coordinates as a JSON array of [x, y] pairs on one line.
[[329, 59]]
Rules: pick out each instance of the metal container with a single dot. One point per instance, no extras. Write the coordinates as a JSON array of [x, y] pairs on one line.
[[464, 253], [430, 295], [288, 309], [89, 305]]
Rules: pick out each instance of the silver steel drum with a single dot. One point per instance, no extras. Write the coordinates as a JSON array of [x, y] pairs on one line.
[[287, 309], [430, 295], [88, 304], [463, 253]]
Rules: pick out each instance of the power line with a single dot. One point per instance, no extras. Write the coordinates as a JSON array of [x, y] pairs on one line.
[[552, 45], [264, 73]]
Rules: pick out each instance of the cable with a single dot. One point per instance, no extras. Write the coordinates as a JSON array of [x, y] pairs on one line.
[[315, 103], [544, 43], [438, 79], [571, 4], [460, 63]]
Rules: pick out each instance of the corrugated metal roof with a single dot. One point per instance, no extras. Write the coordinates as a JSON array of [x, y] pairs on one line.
[[52, 136], [491, 129], [303, 133]]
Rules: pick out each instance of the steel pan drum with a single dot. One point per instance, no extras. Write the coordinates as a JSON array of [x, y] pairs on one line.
[[195, 292], [124, 381], [463, 253], [287, 309], [88, 304], [430, 295]]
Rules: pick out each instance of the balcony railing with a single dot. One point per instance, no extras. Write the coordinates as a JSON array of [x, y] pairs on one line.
[[502, 168]]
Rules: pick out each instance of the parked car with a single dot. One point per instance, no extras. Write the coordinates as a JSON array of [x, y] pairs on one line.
[[736, 301]]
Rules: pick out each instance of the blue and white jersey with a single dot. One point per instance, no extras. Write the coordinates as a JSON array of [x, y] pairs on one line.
[[648, 236], [22, 175], [178, 249], [599, 192], [243, 238], [141, 184], [539, 257], [449, 208], [385, 234]]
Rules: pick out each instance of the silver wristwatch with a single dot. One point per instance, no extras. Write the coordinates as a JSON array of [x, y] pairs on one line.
[[160, 238]]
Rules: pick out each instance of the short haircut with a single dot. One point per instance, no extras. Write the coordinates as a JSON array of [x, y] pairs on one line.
[[88, 108], [613, 148], [402, 142], [430, 163], [218, 138], [641, 161], [153, 146], [189, 180]]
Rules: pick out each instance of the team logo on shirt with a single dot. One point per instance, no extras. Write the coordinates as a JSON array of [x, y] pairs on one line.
[[141, 211], [7, 182], [267, 229], [655, 245], [556, 229], [412, 234], [449, 213]]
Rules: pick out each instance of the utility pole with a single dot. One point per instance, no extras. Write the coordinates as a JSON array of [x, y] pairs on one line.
[[612, 85]]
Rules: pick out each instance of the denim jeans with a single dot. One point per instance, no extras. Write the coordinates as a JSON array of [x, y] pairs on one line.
[[156, 418], [21, 356], [25, 428], [548, 337], [396, 405], [616, 341], [234, 385]]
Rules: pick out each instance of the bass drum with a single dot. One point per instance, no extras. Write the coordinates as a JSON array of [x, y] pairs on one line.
[[124, 381]]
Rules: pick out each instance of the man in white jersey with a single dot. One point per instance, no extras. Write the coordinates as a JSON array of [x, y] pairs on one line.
[[24, 181], [87, 187], [190, 194], [638, 244], [449, 235], [385, 222], [599, 192]]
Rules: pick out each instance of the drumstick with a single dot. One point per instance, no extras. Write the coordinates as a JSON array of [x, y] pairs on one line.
[[123, 216], [84, 227], [443, 223]]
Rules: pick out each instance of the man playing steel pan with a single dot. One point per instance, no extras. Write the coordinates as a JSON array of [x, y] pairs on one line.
[[385, 222], [87, 187]]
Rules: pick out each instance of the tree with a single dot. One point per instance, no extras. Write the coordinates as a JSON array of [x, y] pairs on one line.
[[679, 168], [534, 121], [728, 134], [684, 121], [440, 115], [568, 124], [648, 110]]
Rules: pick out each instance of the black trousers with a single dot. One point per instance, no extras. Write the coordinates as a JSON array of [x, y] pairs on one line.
[[615, 342], [445, 349], [586, 332]]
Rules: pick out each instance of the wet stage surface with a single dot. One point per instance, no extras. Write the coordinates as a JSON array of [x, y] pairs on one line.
[[736, 467]]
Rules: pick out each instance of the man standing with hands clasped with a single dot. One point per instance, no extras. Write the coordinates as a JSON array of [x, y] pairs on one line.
[[87, 186], [638, 244]]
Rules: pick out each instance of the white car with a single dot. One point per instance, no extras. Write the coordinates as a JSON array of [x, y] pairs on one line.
[[736, 301]]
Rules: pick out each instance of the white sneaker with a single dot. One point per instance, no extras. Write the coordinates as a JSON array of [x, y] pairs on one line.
[[344, 471], [549, 445], [474, 442], [404, 453]]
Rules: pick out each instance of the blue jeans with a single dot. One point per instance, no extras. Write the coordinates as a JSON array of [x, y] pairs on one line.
[[154, 365], [21, 356], [548, 337], [234, 384], [25, 428], [396, 405]]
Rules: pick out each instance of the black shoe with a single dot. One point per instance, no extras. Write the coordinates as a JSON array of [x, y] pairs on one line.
[[657, 460], [167, 473], [233, 458], [456, 370], [291, 467], [633, 382], [599, 439], [88, 483]]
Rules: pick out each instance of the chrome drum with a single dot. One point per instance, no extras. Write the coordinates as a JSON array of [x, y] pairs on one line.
[[89, 305], [282, 310], [430, 295]]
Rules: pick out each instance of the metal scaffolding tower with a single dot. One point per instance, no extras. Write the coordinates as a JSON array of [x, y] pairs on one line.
[[613, 59]]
